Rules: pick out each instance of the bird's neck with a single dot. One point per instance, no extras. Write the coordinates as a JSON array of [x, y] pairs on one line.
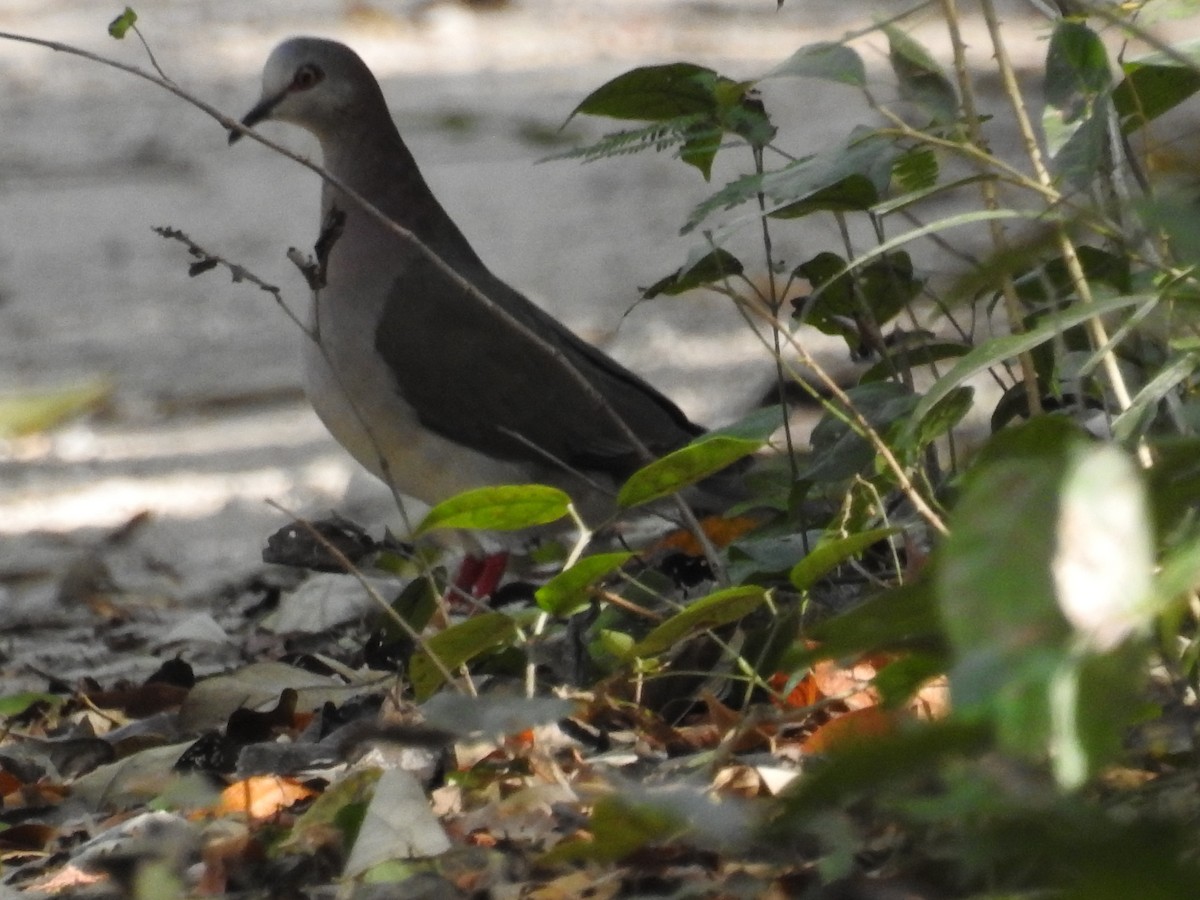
[[377, 165]]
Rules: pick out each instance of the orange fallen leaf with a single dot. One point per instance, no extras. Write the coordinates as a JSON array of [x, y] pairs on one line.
[[854, 727], [261, 796], [718, 529], [804, 694]]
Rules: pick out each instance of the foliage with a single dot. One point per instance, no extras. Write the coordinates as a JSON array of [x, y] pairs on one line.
[[1001, 506]]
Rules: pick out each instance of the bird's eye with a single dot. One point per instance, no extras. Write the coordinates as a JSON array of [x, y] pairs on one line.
[[306, 76]]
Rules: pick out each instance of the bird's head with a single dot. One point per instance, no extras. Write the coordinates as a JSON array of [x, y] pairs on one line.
[[314, 83]]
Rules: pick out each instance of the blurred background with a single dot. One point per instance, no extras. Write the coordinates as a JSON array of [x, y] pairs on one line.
[[203, 416]]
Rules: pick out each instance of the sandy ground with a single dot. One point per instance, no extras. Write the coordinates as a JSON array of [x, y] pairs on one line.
[[207, 418]]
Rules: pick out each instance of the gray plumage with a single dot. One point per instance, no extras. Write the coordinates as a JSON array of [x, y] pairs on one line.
[[452, 394]]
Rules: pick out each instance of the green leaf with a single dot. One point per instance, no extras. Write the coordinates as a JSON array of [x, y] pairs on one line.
[[756, 425], [876, 291], [863, 152], [826, 60], [618, 826], [36, 411], [16, 704], [1104, 555], [455, 646], [653, 94], [1076, 69], [916, 169], [999, 349], [1151, 89], [944, 415], [566, 593], [854, 193], [900, 618], [122, 23], [684, 467], [717, 266], [1174, 483], [698, 102], [1133, 421], [838, 450], [1080, 152], [505, 508], [863, 768], [910, 355], [832, 552], [921, 80], [712, 611], [996, 588]]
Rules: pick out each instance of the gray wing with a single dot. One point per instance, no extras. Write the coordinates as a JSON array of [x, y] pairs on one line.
[[474, 378]]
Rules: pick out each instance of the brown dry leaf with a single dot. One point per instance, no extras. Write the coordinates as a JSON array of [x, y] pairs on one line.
[[804, 694], [222, 854], [853, 727], [139, 702], [577, 884], [744, 781], [720, 530], [69, 876], [261, 796], [850, 685], [932, 701]]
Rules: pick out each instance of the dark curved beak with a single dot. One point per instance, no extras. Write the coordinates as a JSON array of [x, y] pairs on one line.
[[261, 111]]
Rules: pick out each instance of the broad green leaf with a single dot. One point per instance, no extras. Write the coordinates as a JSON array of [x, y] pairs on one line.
[[717, 266], [912, 355], [875, 291], [946, 413], [854, 193], [1094, 699], [416, 605], [1174, 213], [863, 768], [916, 169], [1080, 152], [35, 411], [1076, 69], [1180, 572], [505, 508], [684, 467], [863, 152], [756, 425], [122, 23], [838, 450], [757, 557], [15, 704], [457, 645], [618, 827], [1170, 374], [826, 60], [712, 611], [996, 586], [999, 349], [698, 103], [922, 82], [899, 681], [1150, 89], [903, 617], [653, 94], [1046, 280], [831, 553], [566, 593], [1104, 554]]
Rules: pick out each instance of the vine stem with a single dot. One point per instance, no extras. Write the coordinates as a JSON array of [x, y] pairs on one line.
[[1066, 246], [987, 188]]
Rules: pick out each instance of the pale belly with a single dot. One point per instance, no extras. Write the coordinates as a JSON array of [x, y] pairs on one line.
[[358, 403]]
